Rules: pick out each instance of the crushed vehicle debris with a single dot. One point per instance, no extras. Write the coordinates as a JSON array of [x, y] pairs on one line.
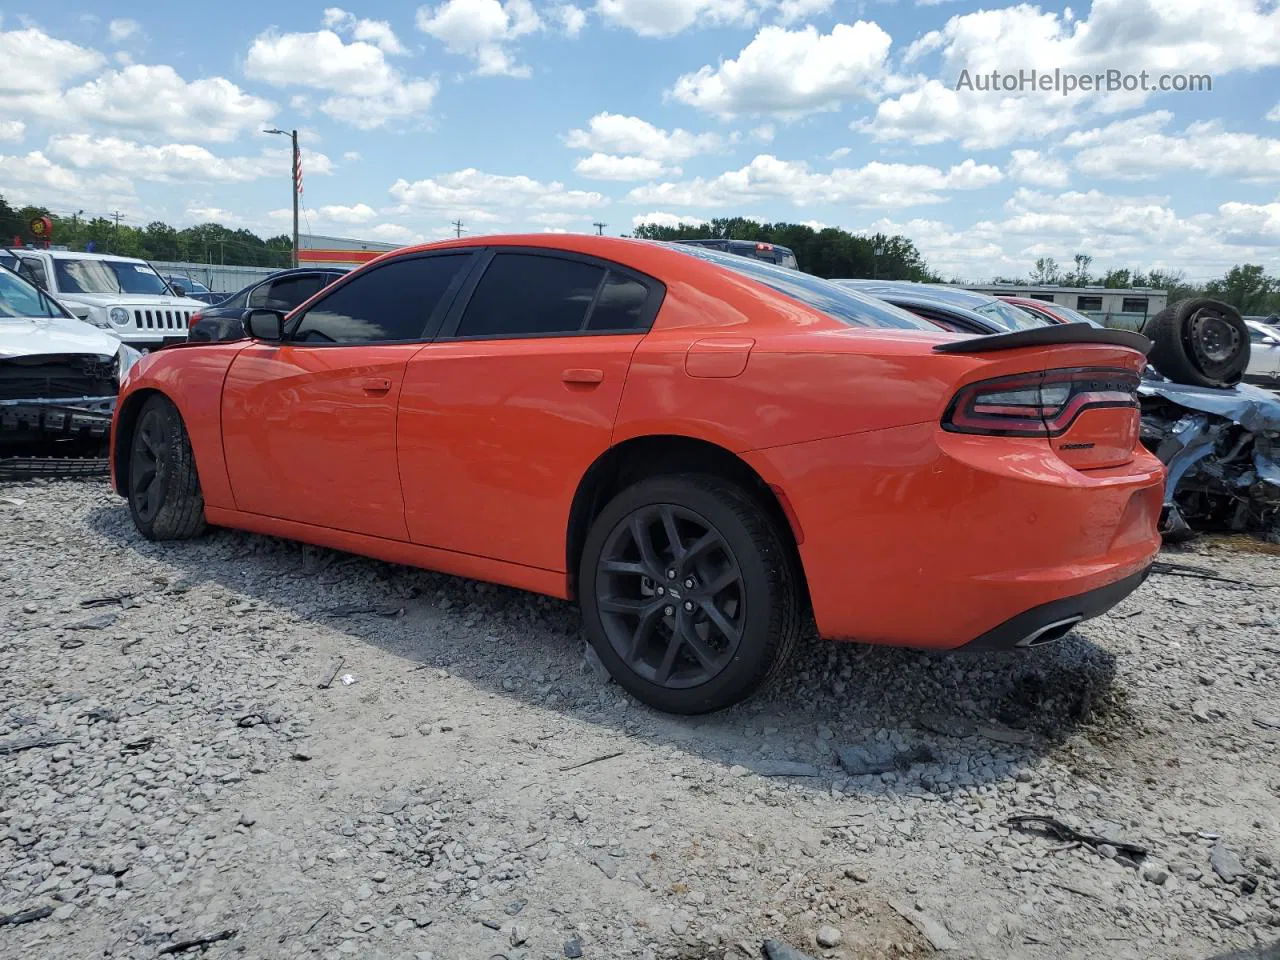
[[1222, 449], [59, 377]]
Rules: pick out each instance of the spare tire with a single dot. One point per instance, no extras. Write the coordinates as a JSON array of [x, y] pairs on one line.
[[1199, 341]]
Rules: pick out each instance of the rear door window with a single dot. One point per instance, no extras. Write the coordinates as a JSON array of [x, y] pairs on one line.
[[522, 295]]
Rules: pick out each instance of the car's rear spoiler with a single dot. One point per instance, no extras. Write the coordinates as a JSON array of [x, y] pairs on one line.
[[1047, 337]]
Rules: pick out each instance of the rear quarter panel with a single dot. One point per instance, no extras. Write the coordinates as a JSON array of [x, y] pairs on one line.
[[191, 377]]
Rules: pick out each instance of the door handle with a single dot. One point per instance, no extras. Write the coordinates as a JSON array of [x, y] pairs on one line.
[[582, 375], [376, 385]]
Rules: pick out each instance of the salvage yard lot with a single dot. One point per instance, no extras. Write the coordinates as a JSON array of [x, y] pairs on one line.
[[444, 803]]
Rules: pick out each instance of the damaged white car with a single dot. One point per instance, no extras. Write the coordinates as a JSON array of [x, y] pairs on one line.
[[59, 377]]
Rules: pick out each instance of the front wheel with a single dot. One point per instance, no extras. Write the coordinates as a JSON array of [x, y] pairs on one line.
[[164, 490], [690, 595]]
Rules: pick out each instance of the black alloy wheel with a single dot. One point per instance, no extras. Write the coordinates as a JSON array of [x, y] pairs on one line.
[[161, 482], [670, 594], [690, 592]]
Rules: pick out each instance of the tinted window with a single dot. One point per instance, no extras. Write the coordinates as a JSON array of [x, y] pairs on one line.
[[1009, 316], [523, 294], [841, 303], [391, 302], [620, 305], [33, 270]]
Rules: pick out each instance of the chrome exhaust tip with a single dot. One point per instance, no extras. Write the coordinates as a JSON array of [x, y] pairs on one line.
[[1049, 633]]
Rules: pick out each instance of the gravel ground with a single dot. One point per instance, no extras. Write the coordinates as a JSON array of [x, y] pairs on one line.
[[437, 805]]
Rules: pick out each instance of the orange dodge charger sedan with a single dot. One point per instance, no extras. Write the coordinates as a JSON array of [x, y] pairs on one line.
[[702, 449]]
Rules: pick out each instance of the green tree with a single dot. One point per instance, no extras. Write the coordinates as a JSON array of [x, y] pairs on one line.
[[830, 252], [1046, 272], [1079, 277], [1117, 279], [1248, 289]]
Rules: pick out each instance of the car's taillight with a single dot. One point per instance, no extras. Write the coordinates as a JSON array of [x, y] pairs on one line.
[[1038, 404], [195, 318]]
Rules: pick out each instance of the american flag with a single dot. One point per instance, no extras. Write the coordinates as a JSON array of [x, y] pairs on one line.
[[297, 173]]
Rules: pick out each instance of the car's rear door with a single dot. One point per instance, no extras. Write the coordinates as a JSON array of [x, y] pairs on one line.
[[309, 424], [502, 415]]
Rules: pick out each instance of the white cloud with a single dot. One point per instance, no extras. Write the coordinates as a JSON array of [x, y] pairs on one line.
[[792, 72], [1030, 166], [377, 32], [176, 162], [352, 156], [34, 178], [1275, 113], [665, 18], [604, 166], [474, 195], [790, 11], [559, 219], [873, 185], [155, 99], [1250, 223], [1138, 149], [1159, 36], [12, 130], [122, 29], [572, 19], [358, 213], [36, 63], [663, 219], [394, 233], [366, 91], [618, 134], [839, 153], [202, 214], [482, 29], [764, 133]]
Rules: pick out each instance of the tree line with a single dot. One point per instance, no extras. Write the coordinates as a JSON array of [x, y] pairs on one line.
[[1247, 287], [203, 243], [830, 252]]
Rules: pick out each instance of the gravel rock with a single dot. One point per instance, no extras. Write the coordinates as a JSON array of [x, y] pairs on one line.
[[318, 829], [829, 936]]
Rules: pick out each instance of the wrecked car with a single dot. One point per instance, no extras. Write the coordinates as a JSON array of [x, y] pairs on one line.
[[59, 377], [1222, 449]]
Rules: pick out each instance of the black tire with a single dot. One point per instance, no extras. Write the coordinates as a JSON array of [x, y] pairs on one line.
[[767, 594], [1199, 341], [163, 487]]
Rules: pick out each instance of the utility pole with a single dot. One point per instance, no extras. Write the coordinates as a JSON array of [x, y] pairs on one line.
[[599, 228], [457, 225], [115, 237], [297, 183]]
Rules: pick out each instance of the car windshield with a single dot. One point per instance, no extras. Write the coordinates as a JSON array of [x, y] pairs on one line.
[[190, 285], [841, 303], [19, 299], [107, 276], [1009, 316]]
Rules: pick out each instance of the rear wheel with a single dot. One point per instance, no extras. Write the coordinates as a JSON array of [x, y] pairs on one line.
[[690, 597], [164, 490], [1199, 341]]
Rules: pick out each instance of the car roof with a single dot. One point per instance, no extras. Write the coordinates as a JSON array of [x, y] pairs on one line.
[[76, 255], [907, 299]]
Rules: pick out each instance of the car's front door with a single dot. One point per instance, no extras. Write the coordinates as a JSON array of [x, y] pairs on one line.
[[502, 415], [309, 424]]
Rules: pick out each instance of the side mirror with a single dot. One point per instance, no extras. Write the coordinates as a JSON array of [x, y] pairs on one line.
[[178, 289], [264, 325]]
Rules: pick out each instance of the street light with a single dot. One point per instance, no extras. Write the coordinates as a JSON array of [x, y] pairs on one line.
[[297, 176]]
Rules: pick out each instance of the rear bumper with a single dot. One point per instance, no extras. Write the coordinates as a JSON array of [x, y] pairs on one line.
[[919, 538], [1053, 620]]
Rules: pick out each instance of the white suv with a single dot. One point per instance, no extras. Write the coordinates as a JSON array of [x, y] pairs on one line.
[[121, 294]]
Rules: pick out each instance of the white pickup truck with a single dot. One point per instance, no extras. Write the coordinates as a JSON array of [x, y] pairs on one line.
[[121, 294]]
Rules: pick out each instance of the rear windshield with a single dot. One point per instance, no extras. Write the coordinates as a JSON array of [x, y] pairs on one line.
[[840, 303], [1009, 316]]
